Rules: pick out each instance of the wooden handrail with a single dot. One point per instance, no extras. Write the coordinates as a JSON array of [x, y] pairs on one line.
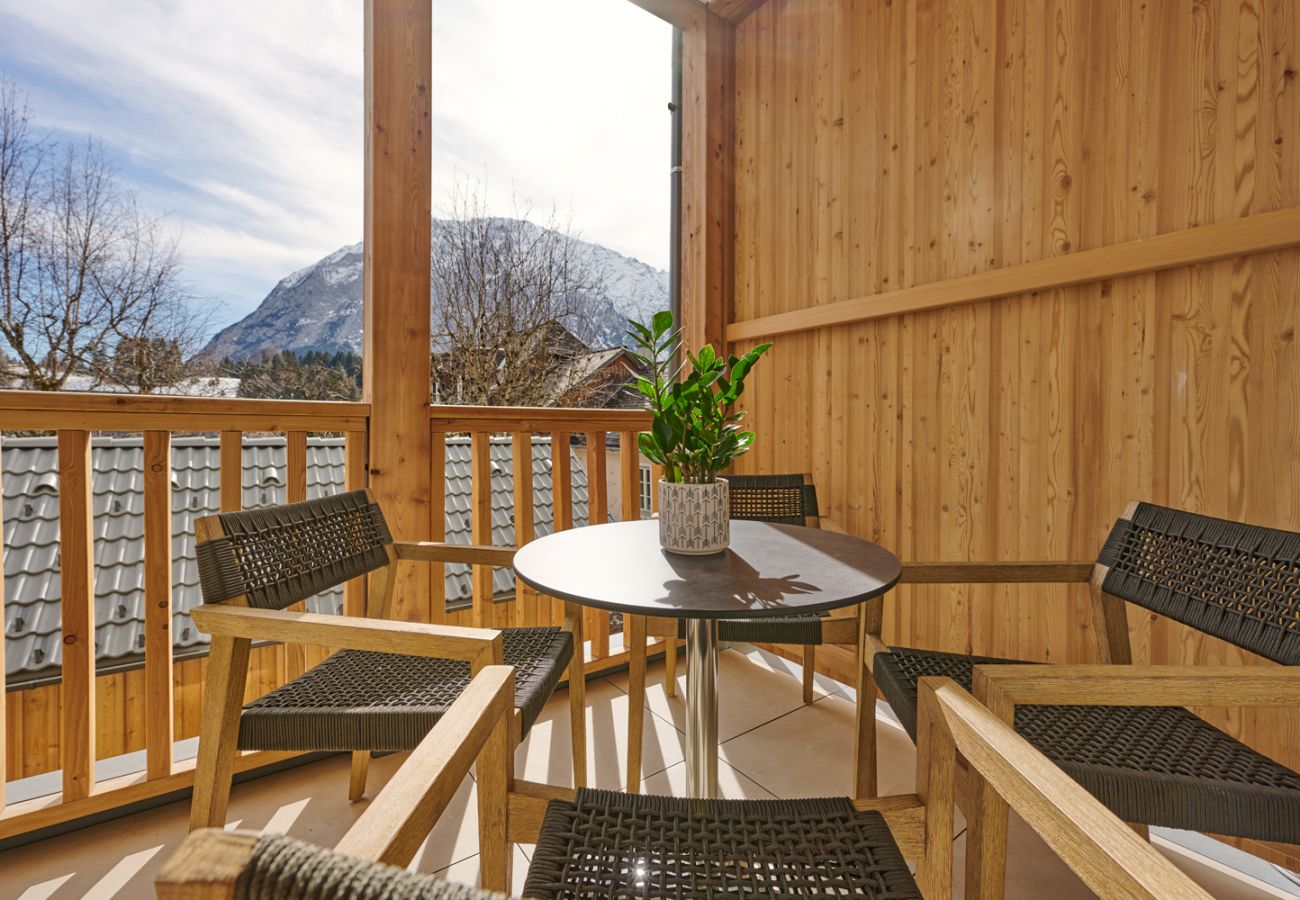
[[1238, 237], [499, 419]]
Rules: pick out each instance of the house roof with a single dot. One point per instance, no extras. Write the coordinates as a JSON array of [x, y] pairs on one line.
[[31, 532]]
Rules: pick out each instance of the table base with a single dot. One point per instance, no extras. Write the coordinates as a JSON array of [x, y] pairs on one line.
[[702, 708]]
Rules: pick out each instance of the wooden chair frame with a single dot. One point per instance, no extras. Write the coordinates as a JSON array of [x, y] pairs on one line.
[[234, 625], [1107, 856], [842, 627], [1115, 681]]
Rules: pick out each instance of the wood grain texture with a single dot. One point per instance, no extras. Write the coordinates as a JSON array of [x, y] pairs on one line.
[[396, 333], [158, 690], [481, 524], [77, 596], [883, 147], [597, 514]]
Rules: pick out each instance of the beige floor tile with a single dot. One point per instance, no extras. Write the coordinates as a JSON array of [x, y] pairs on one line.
[[809, 752], [546, 754], [466, 871], [732, 785], [748, 696]]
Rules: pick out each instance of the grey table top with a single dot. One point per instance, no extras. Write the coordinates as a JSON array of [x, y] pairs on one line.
[[769, 570]]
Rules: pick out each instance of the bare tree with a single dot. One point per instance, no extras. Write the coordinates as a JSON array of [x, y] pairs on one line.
[[504, 289], [89, 283]]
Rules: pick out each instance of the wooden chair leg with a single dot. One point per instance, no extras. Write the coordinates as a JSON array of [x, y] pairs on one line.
[[578, 700], [223, 697], [809, 670], [635, 632], [670, 667], [864, 740], [360, 768], [495, 770], [986, 841], [1140, 829]]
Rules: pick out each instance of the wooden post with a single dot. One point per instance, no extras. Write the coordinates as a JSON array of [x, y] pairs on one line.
[[354, 592], [398, 68], [481, 523], [525, 613], [158, 603], [438, 524], [77, 576], [295, 481], [562, 499], [232, 471], [708, 148], [597, 514], [4, 713]]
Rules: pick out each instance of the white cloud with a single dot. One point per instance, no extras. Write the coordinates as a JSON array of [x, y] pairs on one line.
[[243, 119]]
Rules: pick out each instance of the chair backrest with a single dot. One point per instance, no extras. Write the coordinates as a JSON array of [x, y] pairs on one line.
[[282, 554], [1237, 582], [784, 499]]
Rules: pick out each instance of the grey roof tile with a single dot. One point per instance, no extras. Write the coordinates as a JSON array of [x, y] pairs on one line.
[[31, 532]]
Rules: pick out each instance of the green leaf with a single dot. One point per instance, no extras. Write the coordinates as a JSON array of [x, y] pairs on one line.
[[662, 322]]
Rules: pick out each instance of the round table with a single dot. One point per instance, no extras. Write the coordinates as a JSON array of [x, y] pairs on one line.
[[769, 570]]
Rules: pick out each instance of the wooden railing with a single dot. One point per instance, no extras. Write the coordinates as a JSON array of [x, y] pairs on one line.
[[163, 698]]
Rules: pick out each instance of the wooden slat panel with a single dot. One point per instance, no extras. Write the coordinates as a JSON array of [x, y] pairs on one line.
[[158, 698], [629, 460], [295, 478], [77, 602], [232, 471], [481, 517], [561, 496], [354, 479], [597, 621], [438, 524], [525, 611]]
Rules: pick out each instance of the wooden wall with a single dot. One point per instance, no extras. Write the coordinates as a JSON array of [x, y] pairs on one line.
[[883, 145]]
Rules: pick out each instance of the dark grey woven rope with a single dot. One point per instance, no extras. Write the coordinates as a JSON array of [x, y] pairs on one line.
[[282, 554], [1157, 765], [784, 500], [1237, 582], [610, 845], [284, 868], [357, 700]]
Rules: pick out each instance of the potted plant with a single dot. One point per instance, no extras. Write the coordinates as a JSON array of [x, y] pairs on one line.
[[695, 433]]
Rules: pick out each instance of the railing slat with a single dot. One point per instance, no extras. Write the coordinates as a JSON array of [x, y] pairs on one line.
[[438, 525], [354, 479], [597, 514], [4, 711], [77, 567], [232, 471], [158, 729], [295, 480], [481, 523], [561, 497], [525, 613]]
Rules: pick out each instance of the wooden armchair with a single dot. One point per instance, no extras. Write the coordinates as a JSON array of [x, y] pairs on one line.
[[784, 499], [604, 844], [1120, 730], [389, 683]]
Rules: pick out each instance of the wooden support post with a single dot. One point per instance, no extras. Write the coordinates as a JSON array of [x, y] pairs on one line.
[[708, 148], [398, 69], [597, 514], [562, 501], [295, 480], [77, 577], [232, 471], [158, 603], [525, 612], [4, 714], [481, 519], [438, 524], [354, 479]]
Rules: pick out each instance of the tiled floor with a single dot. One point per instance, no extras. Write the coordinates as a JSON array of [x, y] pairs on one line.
[[773, 746]]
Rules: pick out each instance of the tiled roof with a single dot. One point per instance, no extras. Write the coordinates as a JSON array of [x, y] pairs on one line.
[[31, 531]]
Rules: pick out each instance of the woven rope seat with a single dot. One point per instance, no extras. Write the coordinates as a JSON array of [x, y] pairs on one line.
[[358, 700], [610, 845], [283, 868], [1157, 765]]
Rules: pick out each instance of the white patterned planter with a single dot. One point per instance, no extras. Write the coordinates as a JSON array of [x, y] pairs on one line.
[[695, 518]]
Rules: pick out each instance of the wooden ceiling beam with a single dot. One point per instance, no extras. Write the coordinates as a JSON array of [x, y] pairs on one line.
[[734, 10], [684, 14]]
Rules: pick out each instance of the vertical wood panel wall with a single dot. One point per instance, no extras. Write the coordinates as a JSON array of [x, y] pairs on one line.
[[883, 145]]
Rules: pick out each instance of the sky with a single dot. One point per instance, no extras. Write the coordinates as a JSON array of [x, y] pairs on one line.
[[241, 121]]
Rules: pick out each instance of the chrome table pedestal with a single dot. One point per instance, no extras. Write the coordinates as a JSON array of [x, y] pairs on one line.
[[702, 708]]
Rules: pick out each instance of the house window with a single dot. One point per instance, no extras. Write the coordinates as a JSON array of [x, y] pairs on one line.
[[647, 487]]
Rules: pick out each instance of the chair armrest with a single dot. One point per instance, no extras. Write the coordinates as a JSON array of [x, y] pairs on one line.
[[996, 572], [405, 811], [206, 864], [1105, 853], [470, 554], [478, 646], [1119, 685]]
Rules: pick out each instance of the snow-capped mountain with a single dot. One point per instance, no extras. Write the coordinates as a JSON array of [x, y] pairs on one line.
[[319, 307]]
